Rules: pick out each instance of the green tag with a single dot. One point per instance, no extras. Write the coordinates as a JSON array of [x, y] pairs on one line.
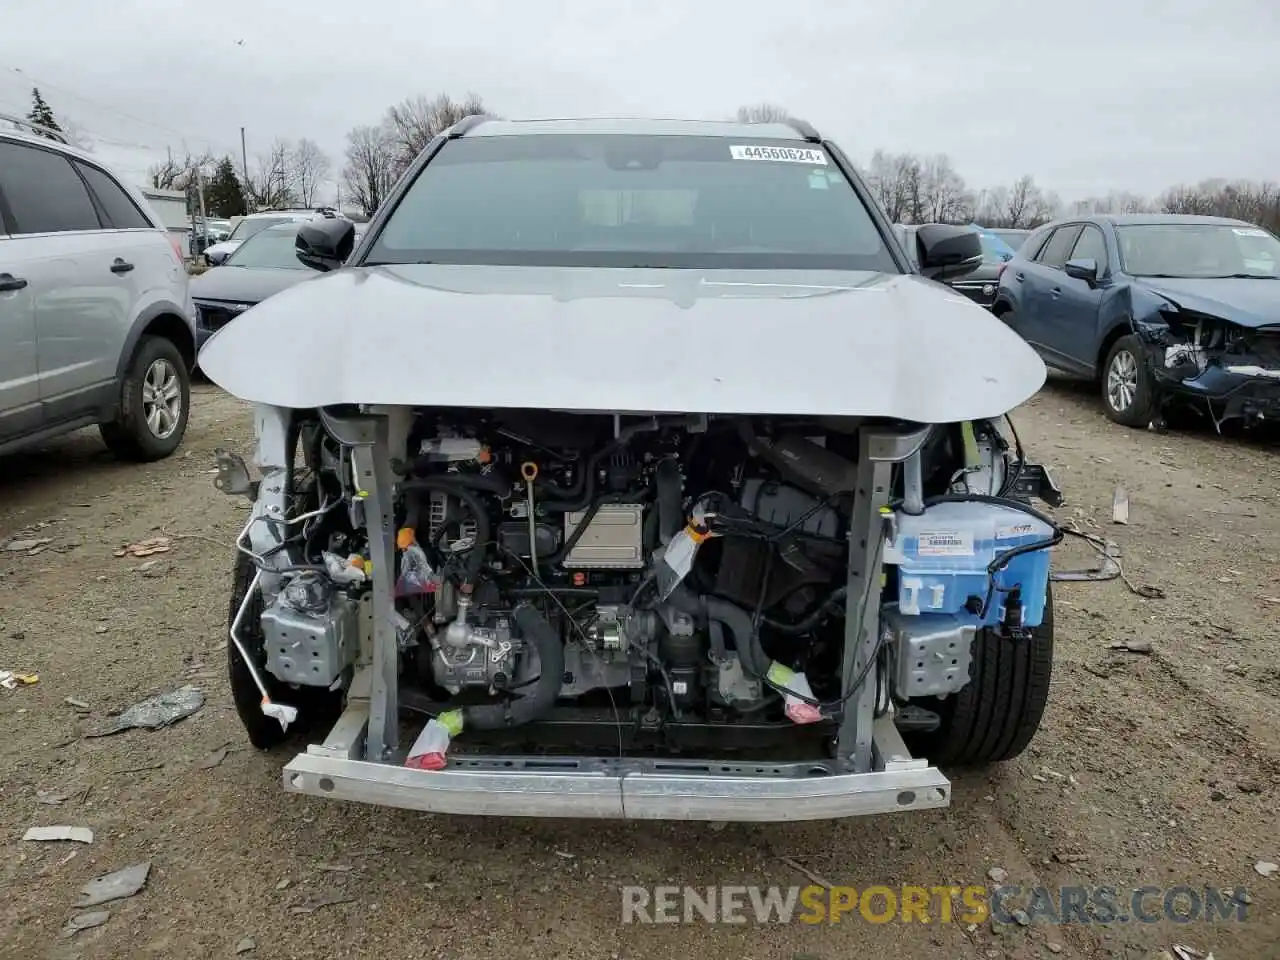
[[780, 674], [452, 721]]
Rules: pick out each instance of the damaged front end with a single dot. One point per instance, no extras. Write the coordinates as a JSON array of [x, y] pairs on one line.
[[690, 616], [1228, 370]]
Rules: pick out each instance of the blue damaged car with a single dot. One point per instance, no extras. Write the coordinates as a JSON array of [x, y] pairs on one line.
[[1156, 308]]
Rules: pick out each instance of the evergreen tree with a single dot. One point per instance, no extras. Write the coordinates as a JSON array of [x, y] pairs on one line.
[[223, 194], [42, 114]]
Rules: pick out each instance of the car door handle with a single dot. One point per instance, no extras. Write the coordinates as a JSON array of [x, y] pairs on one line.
[[120, 266], [9, 282], [1019, 276], [1055, 292]]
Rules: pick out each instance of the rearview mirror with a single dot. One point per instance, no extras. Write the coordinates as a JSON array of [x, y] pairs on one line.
[[324, 245], [1083, 269], [945, 252], [217, 258]]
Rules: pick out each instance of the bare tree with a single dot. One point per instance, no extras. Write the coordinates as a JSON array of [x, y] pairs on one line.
[[894, 179], [413, 122], [990, 206], [1022, 197], [369, 172], [178, 173], [944, 197], [273, 181], [1118, 201], [1026, 205], [763, 113], [310, 167], [1246, 200]]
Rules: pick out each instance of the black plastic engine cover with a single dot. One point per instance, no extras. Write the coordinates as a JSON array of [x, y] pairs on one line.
[[514, 536]]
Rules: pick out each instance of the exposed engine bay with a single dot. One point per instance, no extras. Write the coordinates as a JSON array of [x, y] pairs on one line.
[[673, 582]]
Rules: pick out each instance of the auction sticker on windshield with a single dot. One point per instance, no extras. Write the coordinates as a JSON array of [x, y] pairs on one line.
[[780, 154]]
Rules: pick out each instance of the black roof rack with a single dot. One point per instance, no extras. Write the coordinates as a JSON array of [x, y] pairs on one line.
[[805, 129], [43, 131], [466, 125]]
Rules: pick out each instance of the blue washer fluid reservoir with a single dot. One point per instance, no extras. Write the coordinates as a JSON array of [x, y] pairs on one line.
[[943, 556]]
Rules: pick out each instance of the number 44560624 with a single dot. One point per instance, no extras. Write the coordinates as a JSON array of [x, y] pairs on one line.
[[781, 154]]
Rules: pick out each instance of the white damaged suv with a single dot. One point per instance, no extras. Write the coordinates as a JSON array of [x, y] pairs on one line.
[[631, 469], [95, 318]]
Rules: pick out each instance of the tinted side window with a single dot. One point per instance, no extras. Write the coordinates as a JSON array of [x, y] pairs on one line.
[[1090, 246], [1032, 245], [44, 192], [121, 211], [1058, 250]]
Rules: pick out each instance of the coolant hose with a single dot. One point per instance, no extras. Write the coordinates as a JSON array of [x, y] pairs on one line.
[[829, 607], [535, 629], [582, 493], [734, 618], [670, 488], [496, 483], [450, 487]]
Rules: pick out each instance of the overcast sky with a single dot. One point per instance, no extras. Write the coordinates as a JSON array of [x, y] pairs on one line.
[[1088, 97]]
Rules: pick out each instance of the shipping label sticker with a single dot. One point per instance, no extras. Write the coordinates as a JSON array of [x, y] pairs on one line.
[[778, 154], [946, 543]]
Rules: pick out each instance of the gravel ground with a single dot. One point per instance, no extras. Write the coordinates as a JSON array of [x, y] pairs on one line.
[[1159, 768]]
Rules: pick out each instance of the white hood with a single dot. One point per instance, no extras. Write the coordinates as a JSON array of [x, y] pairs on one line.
[[639, 341]]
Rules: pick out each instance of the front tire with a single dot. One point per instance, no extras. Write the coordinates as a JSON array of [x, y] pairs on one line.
[[997, 714], [155, 399], [315, 705], [1128, 390]]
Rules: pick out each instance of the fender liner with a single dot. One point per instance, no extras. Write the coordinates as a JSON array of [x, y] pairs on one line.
[[144, 319]]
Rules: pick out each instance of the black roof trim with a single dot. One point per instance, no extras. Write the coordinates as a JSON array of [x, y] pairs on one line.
[[23, 125], [805, 129], [466, 125]]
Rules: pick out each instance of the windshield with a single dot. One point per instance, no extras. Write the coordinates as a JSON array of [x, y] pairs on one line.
[[632, 201], [1198, 250], [994, 250], [247, 228], [268, 248], [1014, 239]]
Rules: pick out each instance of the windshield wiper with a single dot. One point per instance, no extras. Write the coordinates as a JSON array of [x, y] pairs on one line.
[[1245, 276]]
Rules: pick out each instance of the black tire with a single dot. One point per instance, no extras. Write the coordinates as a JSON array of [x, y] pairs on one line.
[[995, 717], [315, 705], [130, 436], [1125, 365]]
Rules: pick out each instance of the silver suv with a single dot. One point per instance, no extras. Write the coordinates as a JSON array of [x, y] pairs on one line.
[[95, 318]]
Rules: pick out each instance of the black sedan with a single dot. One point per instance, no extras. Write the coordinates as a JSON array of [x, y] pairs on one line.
[[263, 265], [979, 284]]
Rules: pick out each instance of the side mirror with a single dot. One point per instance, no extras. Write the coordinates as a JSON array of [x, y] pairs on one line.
[[1084, 269], [945, 252], [216, 259], [324, 245]]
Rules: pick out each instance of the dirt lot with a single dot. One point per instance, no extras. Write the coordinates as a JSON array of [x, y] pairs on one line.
[[1151, 769]]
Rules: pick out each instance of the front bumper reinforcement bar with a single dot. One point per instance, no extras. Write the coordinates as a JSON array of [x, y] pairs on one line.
[[579, 787]]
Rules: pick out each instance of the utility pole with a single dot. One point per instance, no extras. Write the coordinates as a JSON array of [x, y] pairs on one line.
[[244, 162], [204, 219]]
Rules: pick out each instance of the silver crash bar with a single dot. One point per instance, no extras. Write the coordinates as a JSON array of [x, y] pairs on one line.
[[579, 787]]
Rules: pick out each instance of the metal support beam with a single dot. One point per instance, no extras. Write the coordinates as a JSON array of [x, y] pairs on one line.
[[368, 438], [879, 451]]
